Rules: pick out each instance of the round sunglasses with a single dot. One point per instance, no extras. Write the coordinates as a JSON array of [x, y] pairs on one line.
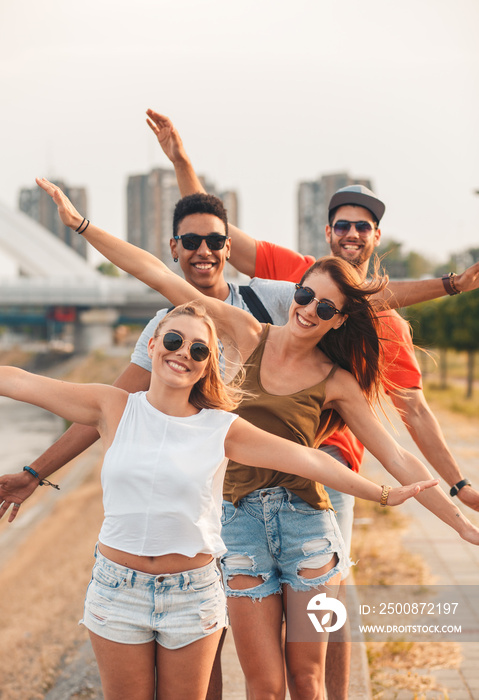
[[192, 241], [325, 310], [172, 341]]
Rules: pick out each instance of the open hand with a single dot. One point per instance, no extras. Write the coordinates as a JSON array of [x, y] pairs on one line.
[[66, 211], [168, 137], [399, 494], [469, 279], [14, 490]]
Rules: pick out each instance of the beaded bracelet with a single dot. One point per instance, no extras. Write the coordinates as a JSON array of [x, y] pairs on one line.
[[450, 284], [43, 482]]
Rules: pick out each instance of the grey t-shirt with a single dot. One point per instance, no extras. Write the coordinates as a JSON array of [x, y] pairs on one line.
[[276, 297]]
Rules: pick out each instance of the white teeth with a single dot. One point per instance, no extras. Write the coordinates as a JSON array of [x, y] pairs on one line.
[[303, 322], [351, 247], [203, 266], [179, 368]]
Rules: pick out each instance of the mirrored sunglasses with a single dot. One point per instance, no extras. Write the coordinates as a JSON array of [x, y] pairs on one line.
[[192, 241], [342, 227], [305, 295], [172, 341]]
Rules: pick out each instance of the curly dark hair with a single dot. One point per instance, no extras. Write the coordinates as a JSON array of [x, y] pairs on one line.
[[199, 203]]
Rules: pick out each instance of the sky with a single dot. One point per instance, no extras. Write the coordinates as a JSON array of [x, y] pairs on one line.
[[264, 93]]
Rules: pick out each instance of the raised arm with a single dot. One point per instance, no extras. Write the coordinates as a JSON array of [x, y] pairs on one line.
[[232, 323], [243, 250], [250, 445], [345, 396]]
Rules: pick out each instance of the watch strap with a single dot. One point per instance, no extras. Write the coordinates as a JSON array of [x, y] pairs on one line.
[[457, 487]]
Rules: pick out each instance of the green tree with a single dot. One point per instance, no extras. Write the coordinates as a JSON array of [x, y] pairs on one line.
[[109, 269], [465, 331], [418, 266], [432, 324]]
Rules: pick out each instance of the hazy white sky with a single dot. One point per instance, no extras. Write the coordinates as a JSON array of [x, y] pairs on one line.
[[264, 93]]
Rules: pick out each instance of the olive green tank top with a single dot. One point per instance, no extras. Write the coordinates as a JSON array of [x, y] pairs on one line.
[[295, 417]]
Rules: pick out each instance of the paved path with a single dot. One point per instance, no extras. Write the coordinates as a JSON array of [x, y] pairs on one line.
[[452, 561]]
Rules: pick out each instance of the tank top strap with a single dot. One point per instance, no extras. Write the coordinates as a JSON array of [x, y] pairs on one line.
[[258, 352], [331, 373]]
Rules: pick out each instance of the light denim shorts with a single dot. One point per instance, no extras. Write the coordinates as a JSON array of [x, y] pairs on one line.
[[132, 607], [274, 534], [343, 503]]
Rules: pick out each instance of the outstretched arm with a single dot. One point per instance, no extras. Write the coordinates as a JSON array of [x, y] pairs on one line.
[[428, 436], [250, 445], [16, 488], [243, 250], [350, 403], [235, 323], [88, 404], [398, 294]]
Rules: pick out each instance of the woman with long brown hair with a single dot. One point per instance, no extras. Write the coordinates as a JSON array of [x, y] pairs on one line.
[[318, 370]]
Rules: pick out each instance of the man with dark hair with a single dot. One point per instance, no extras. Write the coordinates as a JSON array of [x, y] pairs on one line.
[[199, 203], [201, 246], [353, 234]]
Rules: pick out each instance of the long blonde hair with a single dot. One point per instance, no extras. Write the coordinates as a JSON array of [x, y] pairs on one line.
[[210, 391]]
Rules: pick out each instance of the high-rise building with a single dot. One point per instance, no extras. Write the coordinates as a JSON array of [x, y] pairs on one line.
[[313, 199], [38, 205], [151, 201]]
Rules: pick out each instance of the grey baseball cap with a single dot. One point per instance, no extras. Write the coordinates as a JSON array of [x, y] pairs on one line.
[[359, 195]]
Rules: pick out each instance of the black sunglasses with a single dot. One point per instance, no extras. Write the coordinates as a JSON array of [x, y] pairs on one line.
[[192, 241], [325, 310], [362, 227], [172, 340]]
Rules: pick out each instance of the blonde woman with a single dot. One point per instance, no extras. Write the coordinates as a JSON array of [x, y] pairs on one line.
[[297, 362]]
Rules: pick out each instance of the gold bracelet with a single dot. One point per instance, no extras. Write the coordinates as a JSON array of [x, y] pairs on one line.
[[384, 495]]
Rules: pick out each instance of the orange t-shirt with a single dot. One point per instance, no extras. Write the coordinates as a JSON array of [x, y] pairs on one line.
[[400, 366]]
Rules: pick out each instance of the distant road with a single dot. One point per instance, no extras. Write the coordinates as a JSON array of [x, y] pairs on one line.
[[25, 432]]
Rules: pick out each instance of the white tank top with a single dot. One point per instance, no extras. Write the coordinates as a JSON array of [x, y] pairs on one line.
[[162, 480]]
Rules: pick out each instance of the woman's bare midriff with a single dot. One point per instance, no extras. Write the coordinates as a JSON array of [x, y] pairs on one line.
[[165, 564]]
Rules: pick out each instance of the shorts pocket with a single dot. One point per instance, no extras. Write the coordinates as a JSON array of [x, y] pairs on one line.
[[228, 513], [106, 578], [206, 582], [295, 503]]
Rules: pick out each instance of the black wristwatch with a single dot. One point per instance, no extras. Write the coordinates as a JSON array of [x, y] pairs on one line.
[[457, 487]]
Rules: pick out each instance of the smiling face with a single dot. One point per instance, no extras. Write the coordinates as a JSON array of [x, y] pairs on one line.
[[203, 268], [353, 247], [304, 320], [176, 368]]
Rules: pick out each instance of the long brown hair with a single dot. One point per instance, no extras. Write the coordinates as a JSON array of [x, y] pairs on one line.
[[355, 345], [210, 391]]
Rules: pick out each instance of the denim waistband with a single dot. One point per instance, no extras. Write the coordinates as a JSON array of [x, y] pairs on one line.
[[181, 579], [275, 493]]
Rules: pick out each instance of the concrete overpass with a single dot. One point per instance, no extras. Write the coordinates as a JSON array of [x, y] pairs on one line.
[[57, 284]]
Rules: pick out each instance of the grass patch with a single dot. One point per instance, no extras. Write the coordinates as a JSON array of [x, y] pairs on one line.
[[452, 399], [98, 367]]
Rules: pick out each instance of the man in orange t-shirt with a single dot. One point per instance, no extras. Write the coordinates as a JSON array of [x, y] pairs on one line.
[[353, 233]]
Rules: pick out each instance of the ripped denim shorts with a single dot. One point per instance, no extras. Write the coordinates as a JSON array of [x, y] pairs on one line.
[[273, 534], [132, 607]]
